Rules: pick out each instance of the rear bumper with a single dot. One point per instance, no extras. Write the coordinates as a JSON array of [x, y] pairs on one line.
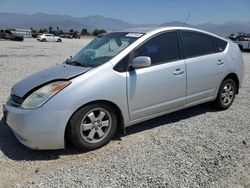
[[38, 128]]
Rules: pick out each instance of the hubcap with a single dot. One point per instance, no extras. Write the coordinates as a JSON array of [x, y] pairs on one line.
[[227, 94], [95, 125]]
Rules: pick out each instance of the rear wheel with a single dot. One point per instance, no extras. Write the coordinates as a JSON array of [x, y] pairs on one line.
[[59, 40], [43, 40], [92, 126], [226, 94]]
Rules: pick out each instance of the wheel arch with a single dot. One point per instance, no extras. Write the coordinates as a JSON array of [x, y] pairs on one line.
[[120, 119], [234, 77]]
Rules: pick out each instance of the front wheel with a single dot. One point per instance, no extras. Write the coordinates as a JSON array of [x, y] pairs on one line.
[[92, 126], [226, 94]]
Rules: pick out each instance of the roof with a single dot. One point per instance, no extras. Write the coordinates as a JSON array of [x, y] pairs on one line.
[[150, 29], [146, 30], [141, 30]]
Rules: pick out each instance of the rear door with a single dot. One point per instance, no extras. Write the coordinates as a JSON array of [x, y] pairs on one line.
[[205, 66], [162, 86]]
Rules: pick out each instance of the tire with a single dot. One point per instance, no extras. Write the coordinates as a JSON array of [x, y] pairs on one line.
[[59, 40], [43, 40], [226, 94], [92, 126]]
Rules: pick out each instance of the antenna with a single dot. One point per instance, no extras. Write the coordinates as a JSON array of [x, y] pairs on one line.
[[185, 22]]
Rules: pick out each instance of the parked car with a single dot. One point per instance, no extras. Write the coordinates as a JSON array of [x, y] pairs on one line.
[[243, 42], [120, 79], [69, 36], [49, 38], [73, 35], [8, 35], [77, 35]]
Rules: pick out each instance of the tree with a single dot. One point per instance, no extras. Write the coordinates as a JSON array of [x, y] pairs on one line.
[[33, 33], [61, 32], [57, 28], [97, 32], [84, 32], [71, 30], [50, 29], [45, 30]]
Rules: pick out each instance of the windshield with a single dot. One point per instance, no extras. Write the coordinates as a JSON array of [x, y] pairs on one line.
[[103, 48]]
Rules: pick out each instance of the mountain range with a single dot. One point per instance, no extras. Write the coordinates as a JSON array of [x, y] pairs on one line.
[[65, 22]]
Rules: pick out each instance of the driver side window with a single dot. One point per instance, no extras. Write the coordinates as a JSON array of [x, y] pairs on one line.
[[161, 48]]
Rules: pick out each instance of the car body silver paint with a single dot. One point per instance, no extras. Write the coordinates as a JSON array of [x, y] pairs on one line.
[[141, 94], [57, 72]]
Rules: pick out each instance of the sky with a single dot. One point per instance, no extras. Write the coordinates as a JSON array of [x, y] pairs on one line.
[[138, 11]]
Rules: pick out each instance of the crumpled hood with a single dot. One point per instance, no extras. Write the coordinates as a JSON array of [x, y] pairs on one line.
[[57, 72]]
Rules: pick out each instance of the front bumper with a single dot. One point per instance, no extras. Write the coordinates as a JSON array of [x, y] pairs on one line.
[[39, 128]]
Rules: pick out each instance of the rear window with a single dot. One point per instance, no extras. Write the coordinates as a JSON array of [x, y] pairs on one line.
[[220, 44], [197, 44]]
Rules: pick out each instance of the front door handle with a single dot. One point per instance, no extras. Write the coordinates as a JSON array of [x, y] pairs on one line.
[[178, 72], [220, 62]]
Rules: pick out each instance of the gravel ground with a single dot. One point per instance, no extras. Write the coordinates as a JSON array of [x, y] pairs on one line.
[[196, 147]]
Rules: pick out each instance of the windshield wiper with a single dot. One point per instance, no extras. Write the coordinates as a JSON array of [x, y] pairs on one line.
[[75, 63]]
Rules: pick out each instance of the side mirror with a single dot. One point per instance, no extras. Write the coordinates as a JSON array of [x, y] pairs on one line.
[[141, 62]]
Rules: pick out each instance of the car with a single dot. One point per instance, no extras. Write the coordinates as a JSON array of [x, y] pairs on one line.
[[73, 35], [242, 41], [8, 35], [120, 79], [49, 38], [69, 36], [244, 44]]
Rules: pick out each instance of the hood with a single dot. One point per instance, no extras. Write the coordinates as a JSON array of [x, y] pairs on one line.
[[57, 72]]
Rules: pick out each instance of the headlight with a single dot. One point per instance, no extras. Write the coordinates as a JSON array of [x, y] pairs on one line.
[[42, 95]]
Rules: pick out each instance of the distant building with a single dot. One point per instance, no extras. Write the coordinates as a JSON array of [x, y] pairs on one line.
[[26, 33]]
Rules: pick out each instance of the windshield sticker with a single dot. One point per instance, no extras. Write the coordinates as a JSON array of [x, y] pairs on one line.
[[136, 35]]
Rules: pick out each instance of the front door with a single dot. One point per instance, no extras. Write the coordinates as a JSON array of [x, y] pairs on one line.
[[162, 86]]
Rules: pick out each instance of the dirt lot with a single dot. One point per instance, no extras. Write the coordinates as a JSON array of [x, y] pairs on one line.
[[196, 147]]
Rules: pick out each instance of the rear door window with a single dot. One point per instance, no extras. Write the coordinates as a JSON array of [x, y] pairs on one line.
[[197, 44]]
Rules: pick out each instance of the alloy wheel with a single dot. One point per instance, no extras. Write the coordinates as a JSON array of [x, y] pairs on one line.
[[95, 125], [227, 94]]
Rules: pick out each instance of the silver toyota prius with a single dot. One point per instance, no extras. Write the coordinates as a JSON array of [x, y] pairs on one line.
[[120, 79]]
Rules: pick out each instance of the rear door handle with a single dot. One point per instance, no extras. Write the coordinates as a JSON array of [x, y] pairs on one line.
[[178, 72], [220, 62]]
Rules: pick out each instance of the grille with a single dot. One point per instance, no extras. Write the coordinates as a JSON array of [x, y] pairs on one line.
[[15, 101]]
